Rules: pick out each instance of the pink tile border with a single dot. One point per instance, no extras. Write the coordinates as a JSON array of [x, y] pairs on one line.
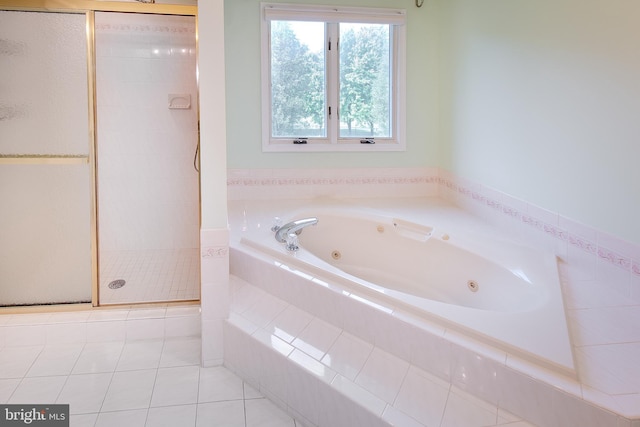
[[615, 257], [337, 177]]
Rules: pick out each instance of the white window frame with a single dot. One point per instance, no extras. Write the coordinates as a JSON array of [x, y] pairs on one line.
[[336, 14]]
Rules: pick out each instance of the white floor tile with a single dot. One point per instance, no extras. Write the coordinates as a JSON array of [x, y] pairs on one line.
[[55, 360], [180, 352], [228, 414], [219, 384], [130, 384], [172, 416], [140, 355], [83, 420], [85, 393], [134, 418], [130, 390], [251, 393], [144, 329], [7, 387], [38, 390], [98, 357], [263, 413], [15, 362], [176, 386]]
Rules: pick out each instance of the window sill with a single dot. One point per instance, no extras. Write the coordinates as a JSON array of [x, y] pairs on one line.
[[310, 147]]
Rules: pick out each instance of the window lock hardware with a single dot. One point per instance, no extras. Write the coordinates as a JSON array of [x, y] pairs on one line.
[[367, 141], [300, 141]]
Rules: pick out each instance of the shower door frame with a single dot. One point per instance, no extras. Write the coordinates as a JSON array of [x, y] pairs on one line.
[[88, 8]]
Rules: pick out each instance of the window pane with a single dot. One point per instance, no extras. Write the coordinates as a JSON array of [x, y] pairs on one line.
[[365, 88], [297, 79]]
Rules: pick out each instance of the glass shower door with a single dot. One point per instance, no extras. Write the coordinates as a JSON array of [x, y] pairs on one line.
[[45, 173]]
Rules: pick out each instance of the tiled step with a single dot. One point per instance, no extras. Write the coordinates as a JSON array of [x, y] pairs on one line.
[[324, 376]]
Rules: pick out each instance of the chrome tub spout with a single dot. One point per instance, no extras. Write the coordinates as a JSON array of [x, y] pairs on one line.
[[287, 232]]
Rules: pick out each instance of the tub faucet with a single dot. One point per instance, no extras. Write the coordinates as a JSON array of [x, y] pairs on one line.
[[288, 232]]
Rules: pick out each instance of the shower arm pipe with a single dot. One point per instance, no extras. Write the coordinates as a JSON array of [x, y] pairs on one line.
[[79, 6]]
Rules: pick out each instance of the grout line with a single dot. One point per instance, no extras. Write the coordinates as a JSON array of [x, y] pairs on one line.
[[244, 404]]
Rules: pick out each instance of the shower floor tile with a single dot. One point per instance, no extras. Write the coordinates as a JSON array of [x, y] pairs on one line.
[[149, 276]]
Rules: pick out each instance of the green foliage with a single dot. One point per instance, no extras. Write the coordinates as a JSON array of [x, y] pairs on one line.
[[298, 82], [364, 79]]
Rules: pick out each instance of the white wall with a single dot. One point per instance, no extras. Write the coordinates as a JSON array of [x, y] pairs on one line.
[[213, 140], [214, 235], [541, 100]]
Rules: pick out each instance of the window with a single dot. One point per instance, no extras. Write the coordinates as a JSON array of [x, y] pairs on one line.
[[332, 78]]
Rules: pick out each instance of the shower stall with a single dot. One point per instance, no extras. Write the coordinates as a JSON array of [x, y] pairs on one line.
[[98, 156]]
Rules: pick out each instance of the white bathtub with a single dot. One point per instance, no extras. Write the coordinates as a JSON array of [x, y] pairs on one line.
[[494, 290]]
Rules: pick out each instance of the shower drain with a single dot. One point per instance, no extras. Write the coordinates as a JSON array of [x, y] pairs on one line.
[[117, 284]]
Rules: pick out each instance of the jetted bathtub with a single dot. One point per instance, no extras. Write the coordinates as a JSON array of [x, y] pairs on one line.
[[503, 293]]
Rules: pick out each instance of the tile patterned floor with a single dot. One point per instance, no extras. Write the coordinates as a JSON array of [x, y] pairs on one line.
[[134, 384], [162, 275]]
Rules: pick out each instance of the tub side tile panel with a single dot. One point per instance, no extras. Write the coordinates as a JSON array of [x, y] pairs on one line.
[[306, 403], [423, 397], [399, 418], [431, 353], [465, 409], [525, 397], [274, 378], [570, 410], [344, 413], [393, 335], [475, 374], [237, 345], [383, 374]]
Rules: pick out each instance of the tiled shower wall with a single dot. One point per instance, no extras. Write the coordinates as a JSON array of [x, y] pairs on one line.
[[148, 202]]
